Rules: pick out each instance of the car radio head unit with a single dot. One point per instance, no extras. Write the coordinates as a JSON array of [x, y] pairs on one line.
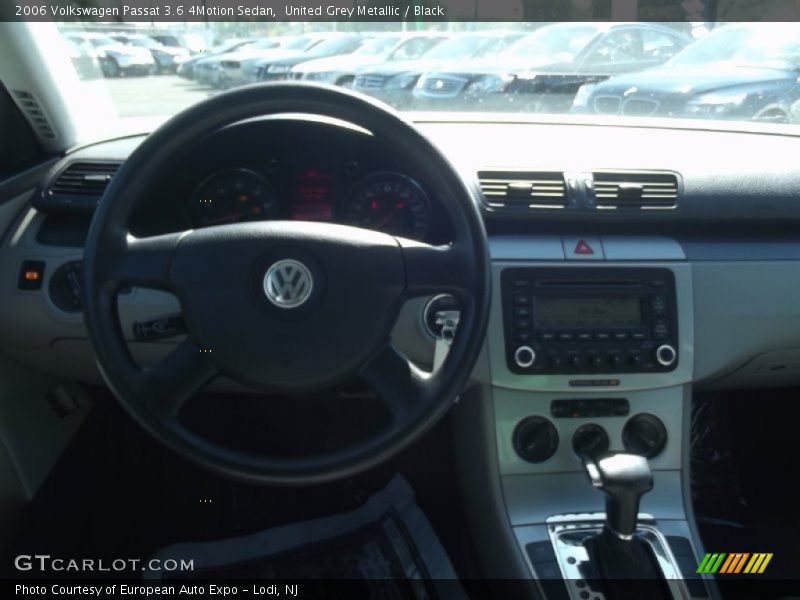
[[561, 320]]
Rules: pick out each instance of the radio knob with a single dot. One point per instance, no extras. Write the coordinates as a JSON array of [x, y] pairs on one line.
[[636, 360], [555, 362], [575, 360], [666, 355], [597, 361], [615, 360], [524, 356]]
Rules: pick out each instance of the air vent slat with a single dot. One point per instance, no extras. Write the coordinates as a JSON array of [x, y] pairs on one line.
[[635, 190], [523, 190], [84, 179]]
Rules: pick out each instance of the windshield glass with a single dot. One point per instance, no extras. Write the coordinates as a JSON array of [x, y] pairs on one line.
[[557, 41], [757, 45], [376, 46], [458, 47], [667, 70]]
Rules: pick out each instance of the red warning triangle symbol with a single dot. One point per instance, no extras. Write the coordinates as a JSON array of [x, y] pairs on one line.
[[583, 248]]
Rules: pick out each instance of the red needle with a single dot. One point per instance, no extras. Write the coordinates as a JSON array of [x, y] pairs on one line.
[[386, 220]]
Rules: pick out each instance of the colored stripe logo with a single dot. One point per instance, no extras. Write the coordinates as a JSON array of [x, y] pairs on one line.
[[734, 563]]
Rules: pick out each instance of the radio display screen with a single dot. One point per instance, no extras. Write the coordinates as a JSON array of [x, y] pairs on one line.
[[587, 313]]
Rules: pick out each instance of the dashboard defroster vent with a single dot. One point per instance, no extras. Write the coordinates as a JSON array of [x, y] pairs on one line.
[[518, 189], [35, 113], [645, 190]]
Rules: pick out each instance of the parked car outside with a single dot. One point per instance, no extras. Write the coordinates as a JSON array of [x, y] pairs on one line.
[[116, 59], [191, 42], [187, 69], [393, 82], [543, 71], [384, 47], [745, 71], [167, 58], [277, 69], [84, 59], [236, 68]]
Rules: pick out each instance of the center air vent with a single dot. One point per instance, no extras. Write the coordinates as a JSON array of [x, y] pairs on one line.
[[79, 186], [523, 189], [646, 190]]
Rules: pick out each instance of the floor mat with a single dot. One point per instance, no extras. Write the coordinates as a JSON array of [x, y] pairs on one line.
[[387, 543]]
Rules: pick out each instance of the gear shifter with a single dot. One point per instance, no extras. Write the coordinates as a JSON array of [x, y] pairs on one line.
[[624, 478], [617, 554]]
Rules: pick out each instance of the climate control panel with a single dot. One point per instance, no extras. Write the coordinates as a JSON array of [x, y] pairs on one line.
[[579, 320]]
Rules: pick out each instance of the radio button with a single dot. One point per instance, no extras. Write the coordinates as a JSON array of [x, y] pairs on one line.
[[524, 356], [584, 337], [555, 361], [602, 336], [575, 360], [522, 300], [639, 336], [522, 311], [621, 335], [635, 361], [522, 324], [597, 361], [565, 336], [615, 360], [523, 336], [521, 284], [547, 336]]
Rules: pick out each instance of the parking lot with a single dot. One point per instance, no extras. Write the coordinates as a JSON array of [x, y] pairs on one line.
[[155, 95]]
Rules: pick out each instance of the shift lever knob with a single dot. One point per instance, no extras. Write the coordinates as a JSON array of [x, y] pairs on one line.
[[624, 478]]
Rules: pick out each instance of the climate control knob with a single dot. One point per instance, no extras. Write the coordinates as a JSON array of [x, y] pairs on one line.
[[644, 434], [590, 440], [524, 356], [666, 355], [535, 439]]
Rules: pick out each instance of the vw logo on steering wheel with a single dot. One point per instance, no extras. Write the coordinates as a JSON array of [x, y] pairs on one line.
[[288, 283]]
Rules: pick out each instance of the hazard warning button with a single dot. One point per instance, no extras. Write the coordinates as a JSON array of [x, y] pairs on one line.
[[582, 248]]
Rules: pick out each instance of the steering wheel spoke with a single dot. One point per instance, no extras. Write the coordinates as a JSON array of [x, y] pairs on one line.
[[400, 384], [169, 383], [146, 261], [436, 269]]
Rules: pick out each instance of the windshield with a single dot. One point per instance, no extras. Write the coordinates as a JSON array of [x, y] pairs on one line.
[[668, 70], [459, 47], [97, 42], [376, 46], [563, 42], [757, 45]]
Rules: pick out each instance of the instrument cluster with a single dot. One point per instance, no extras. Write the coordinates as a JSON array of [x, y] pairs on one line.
[[386, 201]]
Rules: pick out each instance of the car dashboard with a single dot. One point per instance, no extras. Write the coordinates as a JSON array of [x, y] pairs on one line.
[[633, 265]]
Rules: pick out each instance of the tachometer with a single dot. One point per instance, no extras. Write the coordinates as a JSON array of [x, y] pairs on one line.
[[233, 196], [389, 202]]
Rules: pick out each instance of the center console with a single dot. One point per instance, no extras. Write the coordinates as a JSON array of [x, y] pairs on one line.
[[591, 359]]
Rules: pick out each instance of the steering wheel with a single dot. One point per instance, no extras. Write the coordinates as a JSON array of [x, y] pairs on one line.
[[285, 306]]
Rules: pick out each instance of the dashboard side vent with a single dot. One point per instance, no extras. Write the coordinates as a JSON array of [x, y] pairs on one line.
[[510, 189], [645, 190], [76, 188], [84, 179], [35, 114]]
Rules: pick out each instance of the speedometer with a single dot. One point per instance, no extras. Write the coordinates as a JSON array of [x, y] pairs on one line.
[[389, 202], [233, 196]]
